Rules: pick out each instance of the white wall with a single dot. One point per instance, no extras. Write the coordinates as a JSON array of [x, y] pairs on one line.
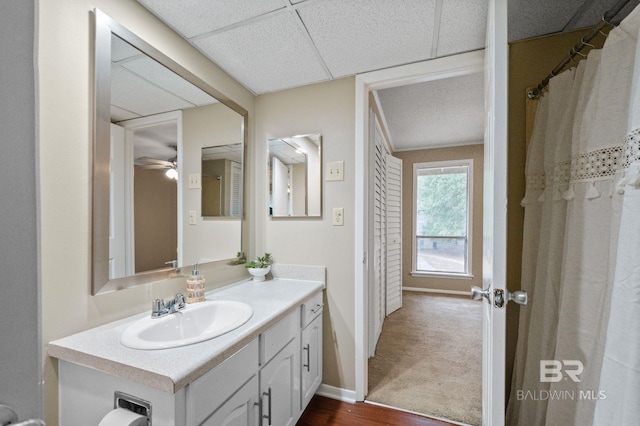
[[314, 182], [210, 238], [329, 109], [279, 185], [65, 174]]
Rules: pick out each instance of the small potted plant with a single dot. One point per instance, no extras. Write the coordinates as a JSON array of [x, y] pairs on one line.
[[260, 267]]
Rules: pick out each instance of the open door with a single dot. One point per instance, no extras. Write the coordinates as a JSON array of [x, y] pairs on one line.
[[495, 218]]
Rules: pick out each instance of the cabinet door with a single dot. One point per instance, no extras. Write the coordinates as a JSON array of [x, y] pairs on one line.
[[311, 359], [240, 410], [280, 387]]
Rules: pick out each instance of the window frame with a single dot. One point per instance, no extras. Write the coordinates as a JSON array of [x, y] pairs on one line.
[[468, 162]]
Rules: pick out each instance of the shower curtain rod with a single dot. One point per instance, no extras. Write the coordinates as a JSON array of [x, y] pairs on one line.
[[536, 92]]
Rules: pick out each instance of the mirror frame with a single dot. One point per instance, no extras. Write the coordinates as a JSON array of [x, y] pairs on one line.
[[103, 27]]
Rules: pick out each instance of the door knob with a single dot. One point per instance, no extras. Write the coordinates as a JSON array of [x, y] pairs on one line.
[[499, 299], [520, 297], [477, 293]]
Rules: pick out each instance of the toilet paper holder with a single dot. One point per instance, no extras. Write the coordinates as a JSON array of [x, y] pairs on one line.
[[132, 403]]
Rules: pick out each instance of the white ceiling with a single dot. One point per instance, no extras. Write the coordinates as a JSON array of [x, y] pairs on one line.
[[272, 45], [436, 113], [231, 152], [141, 87]]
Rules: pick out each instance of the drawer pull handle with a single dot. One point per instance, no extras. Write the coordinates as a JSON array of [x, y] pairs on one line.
[[317, 308], [268, 416], [308, 364]]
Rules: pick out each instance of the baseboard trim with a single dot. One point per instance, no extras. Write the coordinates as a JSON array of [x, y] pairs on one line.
[[333, 392], [435, 290]]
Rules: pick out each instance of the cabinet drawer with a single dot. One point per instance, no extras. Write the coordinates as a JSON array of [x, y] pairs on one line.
[[276, 338], [206, 394], [311, 309]]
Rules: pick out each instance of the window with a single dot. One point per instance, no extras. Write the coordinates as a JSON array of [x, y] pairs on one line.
[[442, 218]]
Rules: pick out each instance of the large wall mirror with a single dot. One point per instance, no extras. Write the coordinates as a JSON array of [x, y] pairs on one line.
[[295, 176], [164, 143]]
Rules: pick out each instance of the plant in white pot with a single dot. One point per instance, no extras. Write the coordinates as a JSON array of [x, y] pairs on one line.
[[260, 267]]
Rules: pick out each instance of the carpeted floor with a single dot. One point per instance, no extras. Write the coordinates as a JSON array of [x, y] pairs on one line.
[[429, 358]]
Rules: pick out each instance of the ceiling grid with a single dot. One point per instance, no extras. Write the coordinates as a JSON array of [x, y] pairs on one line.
[[273, 45]]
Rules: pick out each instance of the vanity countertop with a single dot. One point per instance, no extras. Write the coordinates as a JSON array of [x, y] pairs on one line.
[[170, 370]]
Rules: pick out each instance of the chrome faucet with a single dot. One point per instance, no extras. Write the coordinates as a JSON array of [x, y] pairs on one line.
[[160, 308]]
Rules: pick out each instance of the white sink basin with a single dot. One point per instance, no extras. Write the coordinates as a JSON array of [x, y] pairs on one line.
[[195, 323]]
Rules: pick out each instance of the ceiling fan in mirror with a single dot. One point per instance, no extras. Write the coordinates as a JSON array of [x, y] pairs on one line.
[[170, 165]]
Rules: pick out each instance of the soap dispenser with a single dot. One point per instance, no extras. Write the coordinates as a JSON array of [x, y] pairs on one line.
[[195, 286]]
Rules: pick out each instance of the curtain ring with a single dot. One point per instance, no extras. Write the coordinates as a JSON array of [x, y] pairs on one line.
[[586, 43], [575, 52]]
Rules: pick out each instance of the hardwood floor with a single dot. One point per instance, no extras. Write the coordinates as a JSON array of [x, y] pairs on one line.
[[326, 411]]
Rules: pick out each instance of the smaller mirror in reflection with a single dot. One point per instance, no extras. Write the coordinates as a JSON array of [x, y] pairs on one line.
[[295, 176], [221, 180]]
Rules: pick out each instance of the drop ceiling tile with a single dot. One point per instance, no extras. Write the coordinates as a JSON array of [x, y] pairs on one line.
[[534, 18], [124, 83], [194, 17], [357, 36], [161, 76], [463, 26], [436, 113], [267, 55]]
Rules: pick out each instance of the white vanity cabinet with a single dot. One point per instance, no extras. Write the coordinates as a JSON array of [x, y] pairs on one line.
[[267, 382], [280, 387], [227, 394], [311, 348], [240, 410], [280, 372]]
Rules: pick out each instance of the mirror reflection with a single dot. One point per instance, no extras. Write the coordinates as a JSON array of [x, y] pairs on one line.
[[221, 180], [153, 129], [295, 176]]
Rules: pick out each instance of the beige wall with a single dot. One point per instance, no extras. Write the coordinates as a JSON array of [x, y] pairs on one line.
[[210, 238], [64, 65], [409, 158], [328, 109], [156, 217], [529, 62]]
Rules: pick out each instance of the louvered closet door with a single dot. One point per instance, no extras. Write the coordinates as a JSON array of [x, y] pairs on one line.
[[236, 189], [378, 274], [394, 233]]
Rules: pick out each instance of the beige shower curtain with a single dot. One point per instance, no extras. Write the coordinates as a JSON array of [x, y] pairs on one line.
[[569, 264]]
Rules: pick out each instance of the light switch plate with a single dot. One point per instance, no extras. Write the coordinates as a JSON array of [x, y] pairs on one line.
[[194, 181], [193, 217], [335, 170], [338, 216]]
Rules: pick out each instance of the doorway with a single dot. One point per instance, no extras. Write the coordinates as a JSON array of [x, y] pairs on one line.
[[420, 356], [150, 194], [438, 69]]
